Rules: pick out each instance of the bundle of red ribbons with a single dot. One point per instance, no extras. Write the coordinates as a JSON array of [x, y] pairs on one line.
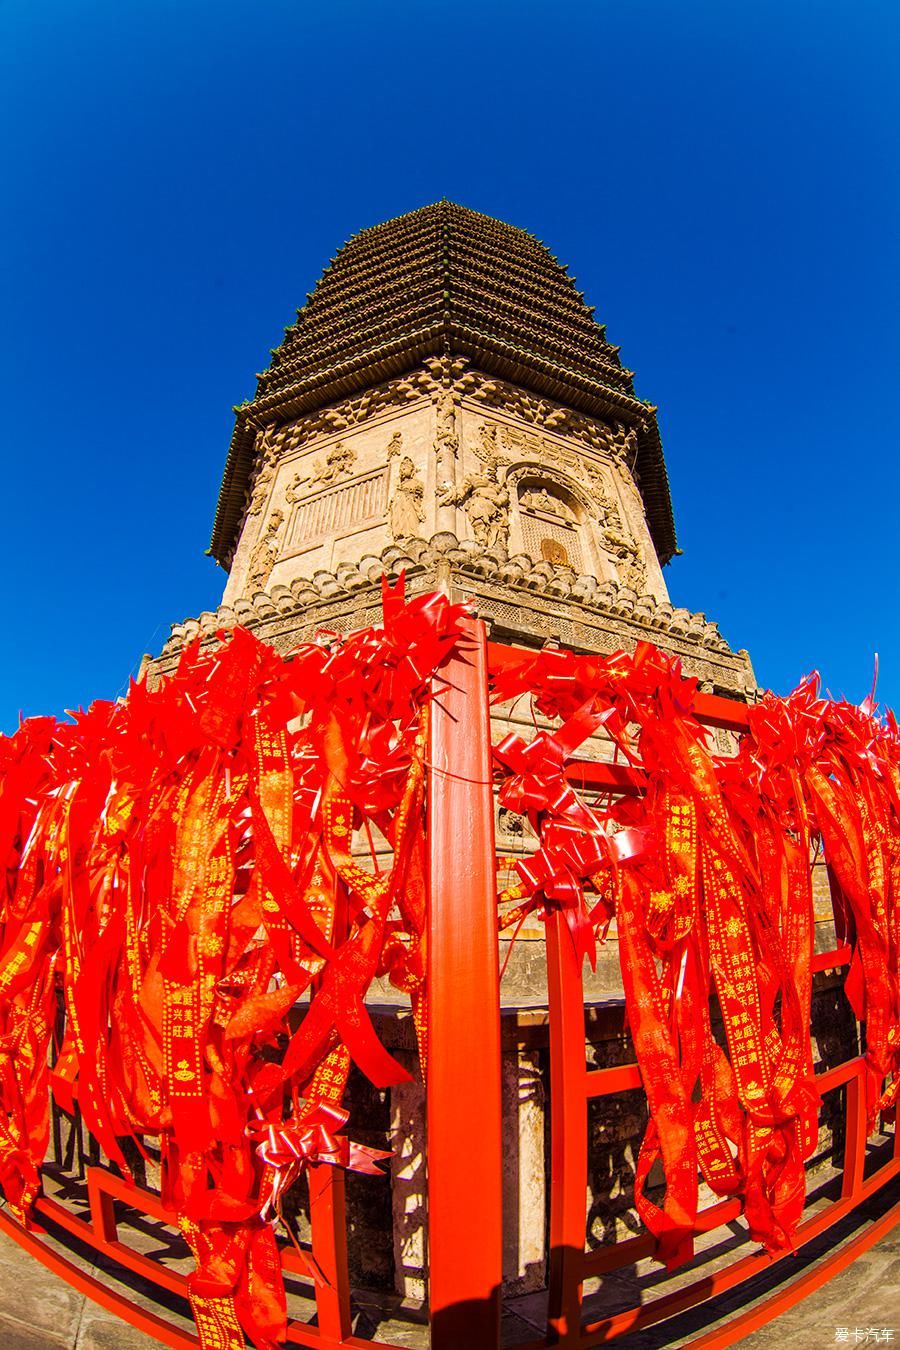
[[180, 874], [708, 875]]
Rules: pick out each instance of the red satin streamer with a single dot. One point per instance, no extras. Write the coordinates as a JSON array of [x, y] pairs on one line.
[[710, 884], [179, 872], [179, 869]]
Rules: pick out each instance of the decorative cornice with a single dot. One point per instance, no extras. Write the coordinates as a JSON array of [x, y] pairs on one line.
[[526, 602]]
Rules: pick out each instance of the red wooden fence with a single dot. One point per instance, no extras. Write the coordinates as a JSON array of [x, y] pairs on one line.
[[464, 1110]]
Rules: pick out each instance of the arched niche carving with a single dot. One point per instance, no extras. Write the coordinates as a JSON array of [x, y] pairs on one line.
[[532, 476], [553, 518]]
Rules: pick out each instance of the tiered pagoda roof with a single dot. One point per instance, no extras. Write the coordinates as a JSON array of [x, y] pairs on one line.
[[445, 280]]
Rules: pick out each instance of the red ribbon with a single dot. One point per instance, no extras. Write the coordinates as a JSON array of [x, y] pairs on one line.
[[313, 1138]]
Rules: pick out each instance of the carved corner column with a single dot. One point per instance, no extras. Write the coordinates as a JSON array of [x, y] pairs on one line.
[[446, 458], [636, 519], [253, 530]]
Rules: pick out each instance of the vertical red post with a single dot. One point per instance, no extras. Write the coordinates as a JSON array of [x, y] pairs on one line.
[[328, 1225], [103, 1210], [568, 1132], [855, 1133], [464, 1125]]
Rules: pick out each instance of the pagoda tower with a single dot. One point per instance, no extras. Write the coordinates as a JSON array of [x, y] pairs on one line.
[[446, 404]]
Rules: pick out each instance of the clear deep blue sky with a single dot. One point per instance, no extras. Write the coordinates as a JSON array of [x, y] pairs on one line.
[[722, 179]]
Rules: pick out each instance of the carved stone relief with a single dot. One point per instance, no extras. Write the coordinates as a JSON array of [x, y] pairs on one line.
[[486, 503], [629, 564], [612, 438], [405, 513], [487, 447], [539, 499], [334, 510], [338, 463], [546, 453], [617, 538], [265, 472], [432, 378], [550, 524], [568, 494], [352, 412], [447, 438], [446, 450], [264, 555], [483, 496]]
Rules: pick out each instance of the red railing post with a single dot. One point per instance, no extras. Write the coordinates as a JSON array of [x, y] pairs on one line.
[[328, 1225], [463, 1081], [568, 1132]]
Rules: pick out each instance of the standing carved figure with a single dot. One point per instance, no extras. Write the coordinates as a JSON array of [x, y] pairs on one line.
[[486, 503], [264, 555], [629, 563], [405, 513]]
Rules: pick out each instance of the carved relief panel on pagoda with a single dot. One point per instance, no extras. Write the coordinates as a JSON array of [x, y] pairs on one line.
[[332, 496], [551, 496], [482, 434], [445, 450]]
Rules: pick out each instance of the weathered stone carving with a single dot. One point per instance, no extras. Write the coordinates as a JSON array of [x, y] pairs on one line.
[[265, 472], [447, 438], [338, 463], [614, 439], [351, 412], [540, 412], [519, 594], [539, 499], [405, 513], [486, 503], [629, 564], [565, 486], [332, 510], [294, 492], [264, 555], [484, 497], [487, 447], [511, 823], [547, 454], [446, 452], [617, 539]]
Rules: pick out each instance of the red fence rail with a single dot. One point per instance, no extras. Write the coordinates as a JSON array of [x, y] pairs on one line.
[[464, 1104], [572, 1085]]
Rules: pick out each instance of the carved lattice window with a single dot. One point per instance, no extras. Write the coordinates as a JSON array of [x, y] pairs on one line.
[[551, 522]]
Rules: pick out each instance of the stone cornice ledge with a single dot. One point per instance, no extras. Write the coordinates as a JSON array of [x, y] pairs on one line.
[[524, 602]]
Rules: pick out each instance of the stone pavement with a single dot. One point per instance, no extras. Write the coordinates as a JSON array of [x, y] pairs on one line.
[[857, 1307]]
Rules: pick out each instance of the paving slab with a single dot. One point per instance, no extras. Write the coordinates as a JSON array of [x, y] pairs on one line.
[[859, 1307]]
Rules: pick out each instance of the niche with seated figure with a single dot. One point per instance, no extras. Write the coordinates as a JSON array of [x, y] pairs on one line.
[[551, 519]]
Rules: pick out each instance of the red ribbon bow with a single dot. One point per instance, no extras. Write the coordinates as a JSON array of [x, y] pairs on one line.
[[290, 1147]]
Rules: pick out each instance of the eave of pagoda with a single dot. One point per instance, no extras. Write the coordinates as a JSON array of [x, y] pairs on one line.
[[443, 282]]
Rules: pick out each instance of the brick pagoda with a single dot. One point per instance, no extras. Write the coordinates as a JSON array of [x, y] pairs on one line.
[[447, 404]]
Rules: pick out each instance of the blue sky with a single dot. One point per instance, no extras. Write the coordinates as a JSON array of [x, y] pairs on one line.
[[722, 179]]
